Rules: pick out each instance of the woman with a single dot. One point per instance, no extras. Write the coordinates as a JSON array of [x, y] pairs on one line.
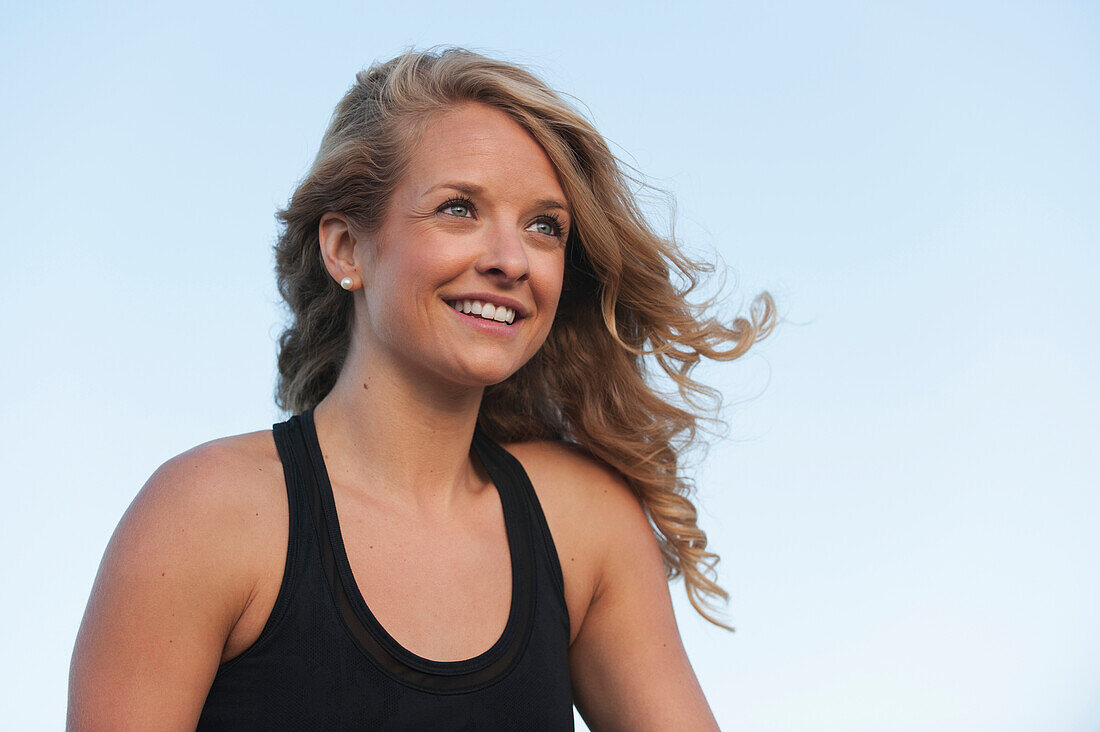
[[466, 267]]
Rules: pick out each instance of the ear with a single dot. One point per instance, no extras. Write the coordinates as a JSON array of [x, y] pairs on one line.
[[338, 240]]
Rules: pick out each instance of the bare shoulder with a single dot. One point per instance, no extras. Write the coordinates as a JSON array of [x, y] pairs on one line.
[[592, 514], [577, 483], [204, 508], [186, 562], [211, 491], [571, 469], [216, 504], [219, 469], [224, 473]]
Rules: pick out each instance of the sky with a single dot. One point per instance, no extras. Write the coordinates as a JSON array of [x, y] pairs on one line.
[[907, 495]]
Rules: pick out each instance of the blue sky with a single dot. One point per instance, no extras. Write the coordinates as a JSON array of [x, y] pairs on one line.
[[907, 500]]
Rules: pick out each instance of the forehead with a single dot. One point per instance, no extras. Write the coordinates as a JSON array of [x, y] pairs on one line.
[[483, 145]]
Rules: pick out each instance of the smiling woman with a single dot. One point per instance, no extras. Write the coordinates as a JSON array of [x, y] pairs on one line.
[[478, 217], [470, 520]]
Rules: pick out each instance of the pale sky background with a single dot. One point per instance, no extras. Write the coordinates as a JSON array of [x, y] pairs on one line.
[[907, 505]]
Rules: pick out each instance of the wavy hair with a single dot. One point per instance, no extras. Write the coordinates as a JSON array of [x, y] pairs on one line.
[[622, 319]]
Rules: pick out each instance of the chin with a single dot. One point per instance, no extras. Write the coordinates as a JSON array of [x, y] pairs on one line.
[[488, 378], [486, 374]]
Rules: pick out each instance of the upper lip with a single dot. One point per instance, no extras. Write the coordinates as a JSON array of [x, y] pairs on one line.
[[520, 309]]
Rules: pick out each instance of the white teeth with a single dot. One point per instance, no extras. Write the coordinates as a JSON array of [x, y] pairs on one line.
[[487, 310]]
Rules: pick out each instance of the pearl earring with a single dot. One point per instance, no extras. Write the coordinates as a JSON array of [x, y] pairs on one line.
[[347, 283]]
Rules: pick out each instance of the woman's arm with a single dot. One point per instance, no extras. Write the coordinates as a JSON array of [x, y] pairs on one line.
[[628, 664], [172, 584]]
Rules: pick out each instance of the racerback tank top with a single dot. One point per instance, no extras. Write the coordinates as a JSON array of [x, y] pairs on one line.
[[323, 662]]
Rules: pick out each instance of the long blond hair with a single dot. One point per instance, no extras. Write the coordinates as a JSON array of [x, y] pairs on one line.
[[621, 312]]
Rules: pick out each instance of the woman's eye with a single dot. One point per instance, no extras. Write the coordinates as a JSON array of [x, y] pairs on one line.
[[457, 209], [549, 228]]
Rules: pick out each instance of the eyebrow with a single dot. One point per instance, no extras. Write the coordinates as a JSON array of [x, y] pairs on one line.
[[471, 189], [468, 188]]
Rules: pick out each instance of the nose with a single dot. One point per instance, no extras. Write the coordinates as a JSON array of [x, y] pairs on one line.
[[503, 256]]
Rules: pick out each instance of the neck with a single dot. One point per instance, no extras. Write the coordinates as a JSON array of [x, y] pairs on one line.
[[400, 435]]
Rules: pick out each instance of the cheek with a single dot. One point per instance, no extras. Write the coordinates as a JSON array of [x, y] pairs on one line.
[[419, 266], [548, 287], [411, 283], [550, 281]]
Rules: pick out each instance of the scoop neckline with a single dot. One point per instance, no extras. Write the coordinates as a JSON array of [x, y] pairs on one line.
[[520, 613]]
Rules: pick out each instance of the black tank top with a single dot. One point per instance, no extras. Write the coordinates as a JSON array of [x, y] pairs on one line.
[[323, 662]]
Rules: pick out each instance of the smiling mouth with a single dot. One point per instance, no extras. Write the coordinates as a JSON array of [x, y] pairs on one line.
[[484, 310]]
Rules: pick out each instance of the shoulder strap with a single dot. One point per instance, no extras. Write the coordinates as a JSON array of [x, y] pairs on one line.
[[504, 463]]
